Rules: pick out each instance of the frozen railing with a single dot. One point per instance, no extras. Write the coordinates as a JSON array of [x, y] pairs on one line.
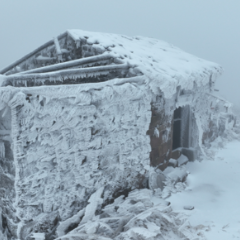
[[224, 103]]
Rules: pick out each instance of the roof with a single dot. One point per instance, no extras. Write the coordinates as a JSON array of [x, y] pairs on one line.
[[163, 63], [165, 66]]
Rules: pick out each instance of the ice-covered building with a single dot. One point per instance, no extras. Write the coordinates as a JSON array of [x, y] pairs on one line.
[[94, 111]]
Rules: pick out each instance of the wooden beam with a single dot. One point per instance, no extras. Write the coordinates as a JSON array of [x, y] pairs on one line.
[[69, 64], [3, 71], [57, 46], [15, 80], [58, 50]]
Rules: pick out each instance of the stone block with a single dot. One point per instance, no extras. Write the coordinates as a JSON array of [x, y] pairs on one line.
[[176, 174], [188, 207], [172, 162], [156, 180], [190, 153], [38, 236], [176, 154], [182, 160]]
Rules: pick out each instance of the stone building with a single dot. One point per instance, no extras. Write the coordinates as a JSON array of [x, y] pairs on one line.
[[89, 110]]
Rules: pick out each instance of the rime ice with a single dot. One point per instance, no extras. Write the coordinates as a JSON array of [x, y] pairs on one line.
[[88, 117]]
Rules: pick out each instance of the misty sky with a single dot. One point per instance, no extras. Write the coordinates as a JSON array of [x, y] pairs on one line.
[[209, 29]]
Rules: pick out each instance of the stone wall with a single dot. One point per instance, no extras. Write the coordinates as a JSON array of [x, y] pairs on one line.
[[69, 146], [8, 216], [68, 141]]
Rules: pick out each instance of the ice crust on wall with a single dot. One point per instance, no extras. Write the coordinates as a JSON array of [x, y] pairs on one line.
[[69, 141]]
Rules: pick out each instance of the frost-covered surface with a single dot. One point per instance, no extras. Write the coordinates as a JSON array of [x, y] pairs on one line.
[[74, 148], [142, 215], [69, 141], [204, 207], [164, 65], [213, 190]]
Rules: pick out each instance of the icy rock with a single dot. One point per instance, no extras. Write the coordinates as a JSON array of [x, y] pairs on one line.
[[140, 233], [91, 208], [182, 160], [38, 236], [63, 226], [91, 228], [190, 153], [163, 202], [172, 162], [180, 186], [154, 221], [83, 236], [142, 194], [176, 174], [156, 180], [166, 193], [188, 207]]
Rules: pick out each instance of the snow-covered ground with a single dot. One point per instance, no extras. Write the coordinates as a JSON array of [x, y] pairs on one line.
[[213, 189]]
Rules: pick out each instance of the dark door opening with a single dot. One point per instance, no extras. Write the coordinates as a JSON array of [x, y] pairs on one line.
[[176, 143], [181, 127]]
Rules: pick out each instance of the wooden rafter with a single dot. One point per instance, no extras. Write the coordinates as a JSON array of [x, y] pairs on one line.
[[70, 64]]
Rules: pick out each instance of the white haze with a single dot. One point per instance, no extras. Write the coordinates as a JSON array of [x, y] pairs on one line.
[[206, 28]]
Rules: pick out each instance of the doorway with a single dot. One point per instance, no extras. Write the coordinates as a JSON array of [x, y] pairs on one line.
[[181, 128], [176, 143]]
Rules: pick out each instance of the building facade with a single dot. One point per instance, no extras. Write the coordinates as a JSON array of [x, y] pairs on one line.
[[92, 110]]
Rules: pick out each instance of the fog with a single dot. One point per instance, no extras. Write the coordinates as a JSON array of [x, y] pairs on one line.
[[206, 28]]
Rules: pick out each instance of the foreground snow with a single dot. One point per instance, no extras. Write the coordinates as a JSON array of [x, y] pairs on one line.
[[205, 207], [213, 190]]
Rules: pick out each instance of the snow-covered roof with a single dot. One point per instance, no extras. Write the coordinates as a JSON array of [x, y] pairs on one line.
[[161, 62], [164, 66]]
